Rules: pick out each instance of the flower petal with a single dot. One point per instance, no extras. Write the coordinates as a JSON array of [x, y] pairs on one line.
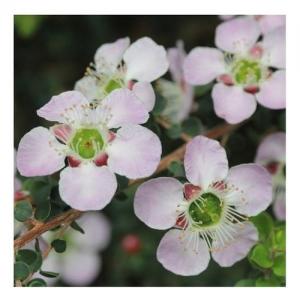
[[176, 57], [144, 91], [135, 152], [39, 153], [80, 268], [156, 201], [268, 23], [237, 35], [97, 232], [250, 188], [175, 257], [87, 85], [273, 45], [279, 206], [202, 65], [123, 107], [108, 56], [271, 149], [232, 103], [145, 60], [272, 91], [205, 161], [245, 237], [87, 187], [57, 108]]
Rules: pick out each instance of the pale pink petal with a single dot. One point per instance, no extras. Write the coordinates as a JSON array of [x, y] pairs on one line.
[[226, 17], [97, 232], [17, 184], [135, 152], [274, 46], [205, 161], [58, 108], [87, 187], [237, 35], [272, 92], [80, 268], [145, 60], [268, 23], [156, 201], [271, 149], [180, 258], [250, 188], [51, 263], [232, 103], [279, 206], [202, 65], [144, 91], [39, 153], [88, 86], [176, 57], [245, 237], [108, 56], [122, 107]]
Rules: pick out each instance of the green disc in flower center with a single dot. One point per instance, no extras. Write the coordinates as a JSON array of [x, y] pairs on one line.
[[206, 210], [87, 142], [112, 85], [247, 72]]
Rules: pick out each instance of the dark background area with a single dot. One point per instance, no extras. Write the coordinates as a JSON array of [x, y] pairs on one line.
[[52, 52]]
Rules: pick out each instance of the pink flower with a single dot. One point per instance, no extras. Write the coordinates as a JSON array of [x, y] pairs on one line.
[[266, 23], [244, 69], [94, 152], [208, 214], [271, 155], [178, 93], [144, 62], [81, 263]]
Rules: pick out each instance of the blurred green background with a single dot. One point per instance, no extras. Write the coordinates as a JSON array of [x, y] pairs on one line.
[[52, 52]]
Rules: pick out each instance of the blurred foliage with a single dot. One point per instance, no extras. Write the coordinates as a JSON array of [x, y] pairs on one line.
[[51, 53]]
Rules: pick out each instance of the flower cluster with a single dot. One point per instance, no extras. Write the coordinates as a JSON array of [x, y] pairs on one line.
[[208, 213]]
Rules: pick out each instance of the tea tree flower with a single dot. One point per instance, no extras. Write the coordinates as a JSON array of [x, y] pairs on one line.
[[93, 151], [179, 94], [243, 69], [209, 213], [118, 65], [271, 155], [81, 263], [266, 23]]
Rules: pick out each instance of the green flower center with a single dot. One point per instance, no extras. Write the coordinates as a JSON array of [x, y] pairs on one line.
[[206, 210], [112, 85], [87, 142], [247, 72]]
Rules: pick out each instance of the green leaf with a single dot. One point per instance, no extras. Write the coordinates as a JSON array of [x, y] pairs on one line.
[[42, 210], [245, 282], [49, 274], [23, 211], [264, 224], [192, 126], [76, 227], [40, 191], [160, 105], [267, 282], [31, 258], [279, 240], [176, 169], [174, 131], [279, 265], [260, 256], [59, 245], [201, 90], [122, 182], [21, 270], [37, 282]]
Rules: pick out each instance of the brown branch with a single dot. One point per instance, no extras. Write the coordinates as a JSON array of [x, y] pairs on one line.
[[72, 214]]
